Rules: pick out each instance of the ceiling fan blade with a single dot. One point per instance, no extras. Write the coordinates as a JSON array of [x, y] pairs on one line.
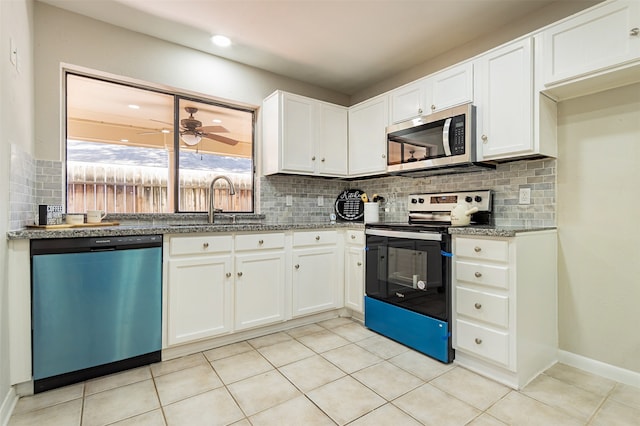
[[219, 138], [160, 121], [213, 129]]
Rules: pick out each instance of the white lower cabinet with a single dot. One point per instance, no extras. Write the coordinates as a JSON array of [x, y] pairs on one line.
[[317, 281], [260, 280], [199, 288], [354, 271], [505, 305]]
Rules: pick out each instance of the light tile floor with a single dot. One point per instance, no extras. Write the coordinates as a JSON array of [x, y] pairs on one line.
[[333, 372]]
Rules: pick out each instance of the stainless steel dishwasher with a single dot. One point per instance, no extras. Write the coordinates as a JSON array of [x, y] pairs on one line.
[[96, 307]]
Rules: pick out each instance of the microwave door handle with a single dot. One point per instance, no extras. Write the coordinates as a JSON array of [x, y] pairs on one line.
[[445, 137]]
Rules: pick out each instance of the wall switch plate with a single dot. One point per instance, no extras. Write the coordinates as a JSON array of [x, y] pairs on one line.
[[525, 196], [288, 200], [320, 201]]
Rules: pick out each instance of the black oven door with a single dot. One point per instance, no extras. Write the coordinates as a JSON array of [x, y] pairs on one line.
[[410, 271]]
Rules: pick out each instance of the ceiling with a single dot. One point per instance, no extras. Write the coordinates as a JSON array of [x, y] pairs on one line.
[[345, 46]]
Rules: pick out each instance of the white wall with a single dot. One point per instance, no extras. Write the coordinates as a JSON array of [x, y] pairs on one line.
[[64, 37], [598, 175], [16, 128]]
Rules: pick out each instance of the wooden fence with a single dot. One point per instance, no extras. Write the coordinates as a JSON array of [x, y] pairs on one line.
[[134, 189]]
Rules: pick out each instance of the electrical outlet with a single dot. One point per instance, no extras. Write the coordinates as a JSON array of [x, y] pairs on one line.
[[320, 201], [525, 196], [288, 200]]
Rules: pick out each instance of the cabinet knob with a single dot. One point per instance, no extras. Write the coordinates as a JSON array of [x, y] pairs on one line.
[[478, 341], [634, 32], [384, 156], [484, 138], [359, 263], [261, 242], [478, 274], [239, 274], [433, 107], [477, 249], [297, 266], [205, 245], [419, 110], [322, 160], [317, 237], [477, 306], [313, 158], [353, 237], [228, 274]]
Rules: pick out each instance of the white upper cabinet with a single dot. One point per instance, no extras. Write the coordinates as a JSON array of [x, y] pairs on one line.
[[303, 136], [451, 87], [508, 109], [368, 123], [606, 36]]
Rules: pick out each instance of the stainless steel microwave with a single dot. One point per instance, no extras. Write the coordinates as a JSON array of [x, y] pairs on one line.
[[439, 143]]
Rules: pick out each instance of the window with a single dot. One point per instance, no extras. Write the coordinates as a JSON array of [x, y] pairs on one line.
[[136, 150]]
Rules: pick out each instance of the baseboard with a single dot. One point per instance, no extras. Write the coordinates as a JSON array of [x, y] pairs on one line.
[[9, 403], [600, 368]]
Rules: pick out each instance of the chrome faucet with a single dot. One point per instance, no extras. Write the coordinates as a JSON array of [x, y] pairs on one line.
[[232, 191]]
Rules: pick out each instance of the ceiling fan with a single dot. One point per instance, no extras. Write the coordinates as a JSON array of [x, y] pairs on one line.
[[192, 131]]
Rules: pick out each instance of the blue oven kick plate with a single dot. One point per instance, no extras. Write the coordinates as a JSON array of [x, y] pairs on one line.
[[420, 332]]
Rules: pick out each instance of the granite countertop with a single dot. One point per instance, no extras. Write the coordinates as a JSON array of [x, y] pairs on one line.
[[167, 224], [495, 231]]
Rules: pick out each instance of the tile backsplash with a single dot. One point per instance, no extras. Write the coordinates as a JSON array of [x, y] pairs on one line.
[[42, 182]]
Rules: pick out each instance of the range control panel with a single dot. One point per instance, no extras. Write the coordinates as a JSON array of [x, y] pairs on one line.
[[445, 201]]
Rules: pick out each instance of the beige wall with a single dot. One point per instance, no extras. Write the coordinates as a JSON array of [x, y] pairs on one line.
[[64, 37], [495, 37], [16, 128], [599, 226]]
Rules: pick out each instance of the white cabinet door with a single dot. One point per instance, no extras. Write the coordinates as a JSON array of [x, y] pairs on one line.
[[199, 298], [331, 146], [368, 123], [603, 37], [409, 101], [316, 280], [259, 289], [504, 102], [451, 87], [298, 133], [354, 278]]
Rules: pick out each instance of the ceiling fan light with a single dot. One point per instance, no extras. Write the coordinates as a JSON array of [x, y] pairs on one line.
[[190, 138], [220, 40]]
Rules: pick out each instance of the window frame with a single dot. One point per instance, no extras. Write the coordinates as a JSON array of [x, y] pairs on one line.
[[177, 95]]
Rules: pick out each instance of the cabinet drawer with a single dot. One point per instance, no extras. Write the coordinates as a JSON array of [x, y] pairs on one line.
[[355, 237], [490, 344], [478, 273], [314, 238], [259, 241], [496, 250], [200, 245], [491, 308]]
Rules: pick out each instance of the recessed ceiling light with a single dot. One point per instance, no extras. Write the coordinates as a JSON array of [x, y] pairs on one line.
[[217, 121], [133, 106], [220, 40], [124, 140], [165, 131]]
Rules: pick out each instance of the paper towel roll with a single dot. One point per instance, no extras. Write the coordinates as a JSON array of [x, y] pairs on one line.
[[371, 212]]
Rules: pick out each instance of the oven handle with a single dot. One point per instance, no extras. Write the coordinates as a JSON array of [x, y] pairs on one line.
[[430, 236]]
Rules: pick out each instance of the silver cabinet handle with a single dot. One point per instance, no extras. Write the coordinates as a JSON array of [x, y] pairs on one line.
[[317, 237], [433, 107], [419, 110], [477, 249], [313, 158], [484, 138], [239, 274], [261, 242], [634, 31], [228, 274], [384, 156], [359, 263], [297, 266], [205, 245], [353, 237], [478, 274], [478, 341], [477, 306]]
